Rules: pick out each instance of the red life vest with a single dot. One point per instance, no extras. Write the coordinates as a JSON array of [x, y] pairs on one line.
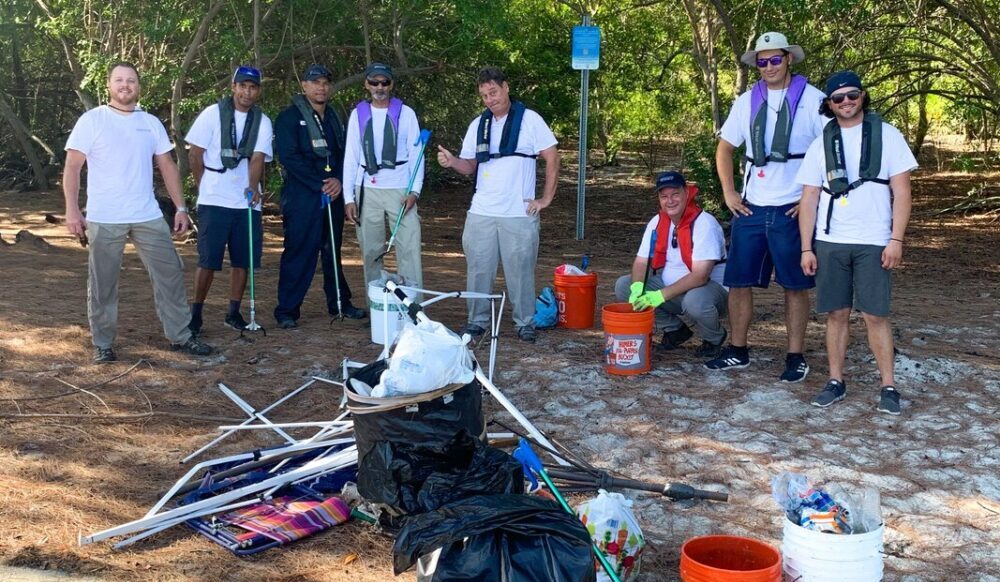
[[684, 232]]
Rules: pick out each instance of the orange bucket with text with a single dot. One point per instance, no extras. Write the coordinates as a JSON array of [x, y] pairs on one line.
[[576, 297], [627, 337], [729, 559]]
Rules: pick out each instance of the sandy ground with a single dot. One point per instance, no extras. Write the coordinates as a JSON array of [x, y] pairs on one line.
[[937, 466]]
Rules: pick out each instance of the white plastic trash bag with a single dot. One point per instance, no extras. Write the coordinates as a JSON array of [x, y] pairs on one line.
[[613, 527], [428, 356]]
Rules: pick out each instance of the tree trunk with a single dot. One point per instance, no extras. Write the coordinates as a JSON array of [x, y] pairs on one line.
[[86, 99], [178, 93], [24, 140]]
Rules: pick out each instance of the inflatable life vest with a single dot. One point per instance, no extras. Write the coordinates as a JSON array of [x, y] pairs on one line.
[[317, 138], [684, 233], [508, 139], [836, 165], [233, 153], [390, 135], [782, 127]]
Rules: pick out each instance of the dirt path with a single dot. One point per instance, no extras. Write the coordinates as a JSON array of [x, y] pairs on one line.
[[937, 466]]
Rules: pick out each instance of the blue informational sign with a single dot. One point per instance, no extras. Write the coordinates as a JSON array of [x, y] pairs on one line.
[[586, 47]]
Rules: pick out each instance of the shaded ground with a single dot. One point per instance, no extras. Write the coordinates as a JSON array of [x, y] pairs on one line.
[[937, 466]]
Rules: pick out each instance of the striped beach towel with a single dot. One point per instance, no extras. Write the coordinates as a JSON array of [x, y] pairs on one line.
[[287, 519]]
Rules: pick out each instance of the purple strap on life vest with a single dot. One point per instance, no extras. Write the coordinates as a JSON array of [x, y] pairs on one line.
[[365, 114], [794, 94]]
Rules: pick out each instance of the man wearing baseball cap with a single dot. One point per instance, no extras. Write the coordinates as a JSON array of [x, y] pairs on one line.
[[776, 120], [857, 175], [230, 142], [309, 139], [681, 262], [379, 158]]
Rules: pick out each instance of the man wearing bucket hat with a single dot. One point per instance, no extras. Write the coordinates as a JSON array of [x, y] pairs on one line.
[[309, 139], [776, 119], [230, 142], [857, 175], [500, 149], [379, 159], [685, 269]]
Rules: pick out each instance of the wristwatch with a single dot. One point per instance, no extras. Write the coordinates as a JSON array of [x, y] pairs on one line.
[[183, 209]]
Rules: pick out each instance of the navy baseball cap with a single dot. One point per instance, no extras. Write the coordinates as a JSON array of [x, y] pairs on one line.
[[246, 73], [375, 69], [670, 180], [842, 79], [315, 71]]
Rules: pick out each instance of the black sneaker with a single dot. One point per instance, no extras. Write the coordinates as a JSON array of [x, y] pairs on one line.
[[834, 391], [527, 334], [193, 347], [888, 401], [195, 325], [235, 320], [475, 331], [287, 323], [349, 311], [674, 339], [106, 355], [796, 368], [731, 358]]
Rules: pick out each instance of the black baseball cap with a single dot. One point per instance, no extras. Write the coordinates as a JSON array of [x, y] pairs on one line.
[[375, 69], [246, 73], [842, 79], [670, 180], [315, 71]]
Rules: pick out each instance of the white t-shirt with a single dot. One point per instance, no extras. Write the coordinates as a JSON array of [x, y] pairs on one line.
[[864, 216], [504, 186], [774, 184], [226, 189], [406, 149], [708, 243], [119, 150]]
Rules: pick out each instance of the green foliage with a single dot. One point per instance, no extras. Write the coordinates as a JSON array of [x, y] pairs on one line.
[[699, 167]]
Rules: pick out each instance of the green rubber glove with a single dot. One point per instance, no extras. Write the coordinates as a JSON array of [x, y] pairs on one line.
[[636, 291], [652, 299]]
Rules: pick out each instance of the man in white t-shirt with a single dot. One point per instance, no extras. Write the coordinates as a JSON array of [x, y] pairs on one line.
[[502, 223], [230, 142], [379, 158], [682, 273], [776, 119], [118, 143], [863, 209]]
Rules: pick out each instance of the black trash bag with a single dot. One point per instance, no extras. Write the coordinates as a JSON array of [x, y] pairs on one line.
[[399, 449], [512, 538], [489, 470]]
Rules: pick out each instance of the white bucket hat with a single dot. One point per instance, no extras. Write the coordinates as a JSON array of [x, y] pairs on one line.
[[773, 41]]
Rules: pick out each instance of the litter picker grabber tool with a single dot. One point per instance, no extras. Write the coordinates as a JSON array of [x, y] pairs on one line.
[[253, 325], [422, 139], [649, 259], [328, 202], [527, 456], [600, 479]]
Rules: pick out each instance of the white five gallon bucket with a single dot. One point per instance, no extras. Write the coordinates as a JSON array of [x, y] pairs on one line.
[[812, 556], [384, 306]]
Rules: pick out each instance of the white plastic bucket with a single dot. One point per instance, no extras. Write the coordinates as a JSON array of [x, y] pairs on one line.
[[384, 305], [812, 556]]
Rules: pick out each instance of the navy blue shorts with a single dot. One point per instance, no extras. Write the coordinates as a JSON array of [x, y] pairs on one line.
[[220, 227], [766, 241]]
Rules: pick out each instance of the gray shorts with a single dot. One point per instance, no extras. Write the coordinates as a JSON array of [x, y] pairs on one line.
[[849, 275]]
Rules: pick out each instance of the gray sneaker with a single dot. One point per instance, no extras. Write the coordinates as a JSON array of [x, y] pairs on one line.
[[104, 355], [834, 391], [527, 334], [193, 347], [474, 331], [888, 401]]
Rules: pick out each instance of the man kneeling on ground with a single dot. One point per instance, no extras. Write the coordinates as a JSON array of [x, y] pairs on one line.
[[685, 272]]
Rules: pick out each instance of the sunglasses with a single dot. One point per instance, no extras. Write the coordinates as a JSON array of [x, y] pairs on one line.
[[775, 60], [673, 239], [850, 96], [385, 83]]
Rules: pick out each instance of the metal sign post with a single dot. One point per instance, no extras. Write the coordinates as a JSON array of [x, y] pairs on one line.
[[586, 57]]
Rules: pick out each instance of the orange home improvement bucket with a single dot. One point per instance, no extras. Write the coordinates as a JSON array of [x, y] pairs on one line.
[[729, 559], [627, 336], [576, 296]]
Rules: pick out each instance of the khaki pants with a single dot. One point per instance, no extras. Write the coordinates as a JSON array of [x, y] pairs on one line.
[[166, 271], [378, 206], [488, 240]]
